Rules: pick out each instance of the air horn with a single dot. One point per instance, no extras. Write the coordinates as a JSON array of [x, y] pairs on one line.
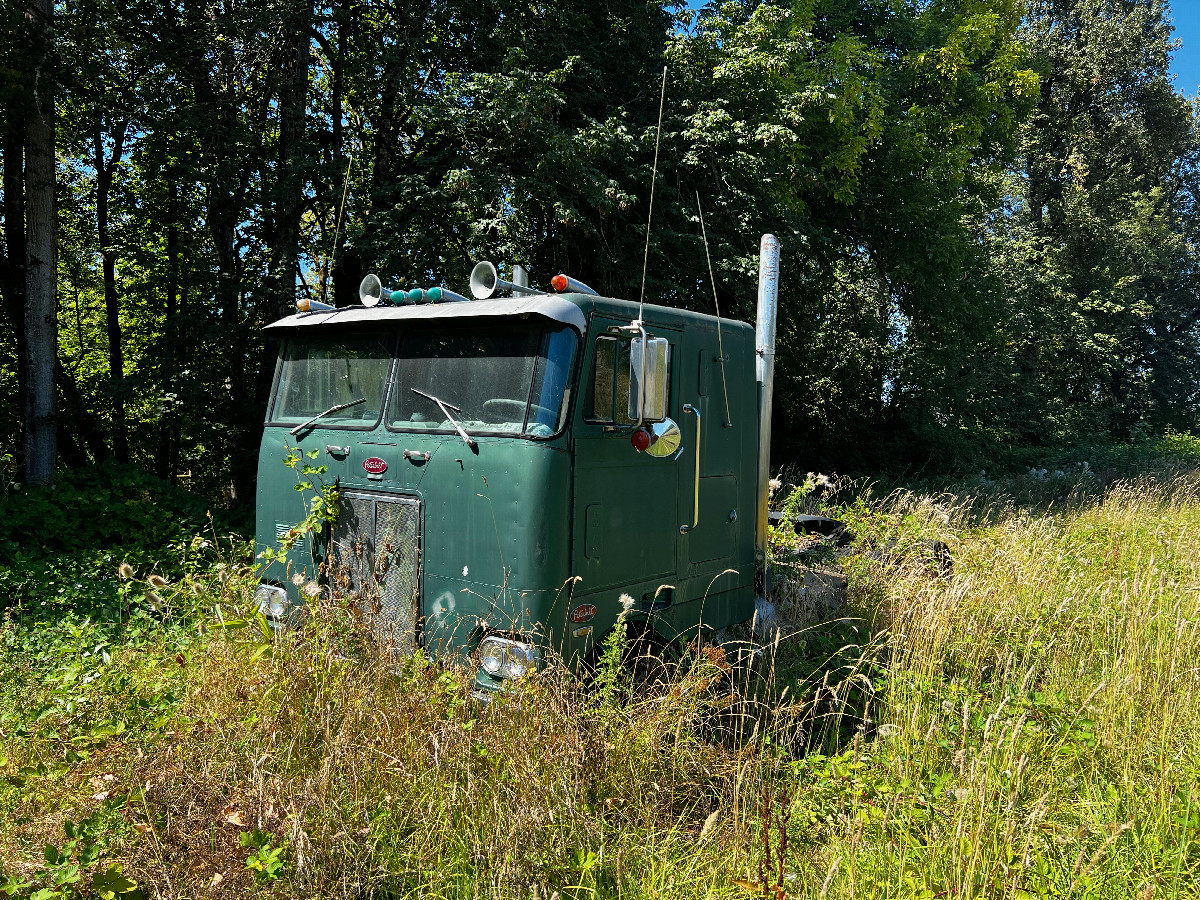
[[485, 282]]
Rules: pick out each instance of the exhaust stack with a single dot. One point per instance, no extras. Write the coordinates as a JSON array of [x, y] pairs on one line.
[[764, 369]]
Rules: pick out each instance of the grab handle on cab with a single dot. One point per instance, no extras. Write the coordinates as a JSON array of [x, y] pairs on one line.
[[684, 529]]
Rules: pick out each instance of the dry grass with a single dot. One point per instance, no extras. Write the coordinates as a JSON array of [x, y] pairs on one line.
[[1023, 728]]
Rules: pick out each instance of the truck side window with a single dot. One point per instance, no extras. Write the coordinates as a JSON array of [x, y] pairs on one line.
[[608, 392]]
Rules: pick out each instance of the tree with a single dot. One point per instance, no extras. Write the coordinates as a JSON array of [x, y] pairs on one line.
[[41, 276], [954, 281], [862, 134], [14, 105], [1096, 250]]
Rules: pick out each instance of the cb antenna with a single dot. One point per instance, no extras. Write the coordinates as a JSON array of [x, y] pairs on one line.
[[717, 304], [653, 178], [337, 226]]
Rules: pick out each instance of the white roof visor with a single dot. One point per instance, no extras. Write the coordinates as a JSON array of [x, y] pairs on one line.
[[545, 305]]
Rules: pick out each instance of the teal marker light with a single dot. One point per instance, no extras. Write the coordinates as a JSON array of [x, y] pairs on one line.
[[372, 293]]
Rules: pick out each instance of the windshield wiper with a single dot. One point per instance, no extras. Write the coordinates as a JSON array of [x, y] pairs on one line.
[[445, 408], [322, 415]]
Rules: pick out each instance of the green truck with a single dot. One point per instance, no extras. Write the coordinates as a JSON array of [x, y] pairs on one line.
[[516, 472]]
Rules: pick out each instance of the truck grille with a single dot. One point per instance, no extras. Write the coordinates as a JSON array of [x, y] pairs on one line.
[[375, 562]]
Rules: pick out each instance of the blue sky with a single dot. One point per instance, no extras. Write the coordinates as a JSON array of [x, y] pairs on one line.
[[1186, 63]]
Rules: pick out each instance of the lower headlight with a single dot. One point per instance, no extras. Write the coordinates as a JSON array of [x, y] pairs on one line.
[[492, 657], [273, 602], [504, 658]]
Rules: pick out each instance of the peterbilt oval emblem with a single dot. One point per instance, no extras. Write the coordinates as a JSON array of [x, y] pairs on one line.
[[583, 612], [374, 465]]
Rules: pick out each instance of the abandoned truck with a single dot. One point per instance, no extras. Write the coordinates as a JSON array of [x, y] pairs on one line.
[[516, 472]]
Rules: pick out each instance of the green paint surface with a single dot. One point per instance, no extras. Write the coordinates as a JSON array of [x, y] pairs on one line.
[[515, 535]]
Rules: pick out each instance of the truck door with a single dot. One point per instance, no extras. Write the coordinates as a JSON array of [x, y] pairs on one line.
[[626, 504], [711, 547]]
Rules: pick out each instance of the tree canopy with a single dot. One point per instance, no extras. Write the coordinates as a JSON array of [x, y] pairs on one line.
[[986, 207]]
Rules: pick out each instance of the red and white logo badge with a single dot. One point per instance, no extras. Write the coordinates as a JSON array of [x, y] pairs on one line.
[[583, 612], [374, 465]]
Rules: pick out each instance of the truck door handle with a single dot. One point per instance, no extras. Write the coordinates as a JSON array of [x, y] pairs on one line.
[[684, 529]]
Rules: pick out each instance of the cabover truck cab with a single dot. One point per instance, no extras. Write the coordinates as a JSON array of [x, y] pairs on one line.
[[515, 473]]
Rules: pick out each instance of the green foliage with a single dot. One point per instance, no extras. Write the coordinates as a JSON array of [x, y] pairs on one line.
[[96, 642], [786, 546], [1094, 250], [65, 874], [65, 549], [970, 264], [613, 671], [321, 505], [96, 508], [1184, 446], [862, 134], [265, 861]]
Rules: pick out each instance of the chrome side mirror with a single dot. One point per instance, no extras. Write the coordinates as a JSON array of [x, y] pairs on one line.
[[648, 361], [665, 438]]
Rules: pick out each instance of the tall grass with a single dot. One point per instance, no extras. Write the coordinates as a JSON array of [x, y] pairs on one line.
[[1024, 726]]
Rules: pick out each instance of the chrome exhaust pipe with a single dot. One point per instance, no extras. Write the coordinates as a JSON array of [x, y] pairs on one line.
[[764, 370]]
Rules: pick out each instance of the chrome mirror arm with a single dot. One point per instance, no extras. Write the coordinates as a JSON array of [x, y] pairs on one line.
[[640, 327]]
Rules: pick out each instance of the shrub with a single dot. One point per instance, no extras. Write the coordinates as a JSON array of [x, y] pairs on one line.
[[1184, 446]]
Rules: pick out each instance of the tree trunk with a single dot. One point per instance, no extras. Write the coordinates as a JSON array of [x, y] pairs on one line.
[[338, 63], [112, 303], [293, 105], [14, 239], [41, 321], [86, 429], [165, 468]]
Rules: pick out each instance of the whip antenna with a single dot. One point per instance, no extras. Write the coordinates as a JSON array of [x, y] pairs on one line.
[[338, 223], [717, 304], [653, 178]]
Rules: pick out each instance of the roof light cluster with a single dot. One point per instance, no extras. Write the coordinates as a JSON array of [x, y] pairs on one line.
[[484, 284]]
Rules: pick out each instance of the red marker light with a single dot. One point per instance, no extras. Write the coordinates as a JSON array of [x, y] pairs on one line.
[[640, 439], [559, 282]]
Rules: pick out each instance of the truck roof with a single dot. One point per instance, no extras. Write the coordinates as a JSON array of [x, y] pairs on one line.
[[567, 308], [551, 306]]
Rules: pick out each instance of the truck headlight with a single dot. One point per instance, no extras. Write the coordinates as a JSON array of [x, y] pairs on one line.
[[504, 658], [273, 602]]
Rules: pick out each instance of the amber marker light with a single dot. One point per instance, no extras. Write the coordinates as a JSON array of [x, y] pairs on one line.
[[306, 305], [566, 283]]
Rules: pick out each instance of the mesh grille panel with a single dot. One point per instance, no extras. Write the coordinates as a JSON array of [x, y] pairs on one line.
[[375, 562]]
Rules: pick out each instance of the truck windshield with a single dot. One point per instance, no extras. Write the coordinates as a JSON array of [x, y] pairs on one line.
[[509, 378], [323, 371]]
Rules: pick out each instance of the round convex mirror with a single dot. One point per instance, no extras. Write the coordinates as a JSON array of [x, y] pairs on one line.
[[666, 438], [370, 290]]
